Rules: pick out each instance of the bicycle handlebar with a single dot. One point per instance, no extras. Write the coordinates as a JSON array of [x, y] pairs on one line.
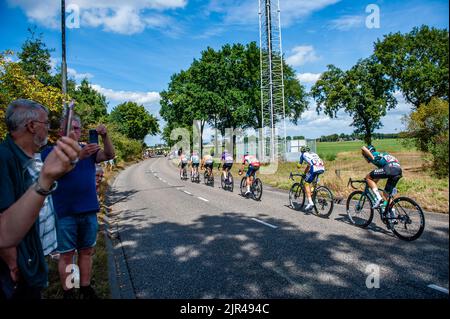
[[291, 175], [351, 181]]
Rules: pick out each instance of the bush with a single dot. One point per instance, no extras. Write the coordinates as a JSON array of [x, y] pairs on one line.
[[438, 148], [126, 149]]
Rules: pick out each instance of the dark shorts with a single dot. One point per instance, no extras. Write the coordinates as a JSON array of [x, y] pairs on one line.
[[252, 170], [77, 232], [209, 165], [183, 165], [393, 174], [195, 164], [227, 165]]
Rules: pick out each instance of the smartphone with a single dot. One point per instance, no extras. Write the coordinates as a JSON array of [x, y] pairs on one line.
[[93, 136]]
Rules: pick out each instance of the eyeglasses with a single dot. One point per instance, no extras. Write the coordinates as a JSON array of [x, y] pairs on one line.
[[76, 128], [46, 123]]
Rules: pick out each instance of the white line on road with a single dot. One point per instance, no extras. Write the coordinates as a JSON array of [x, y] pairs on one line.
[[203, 199], [436, 287], [264, 223], [187, 192]]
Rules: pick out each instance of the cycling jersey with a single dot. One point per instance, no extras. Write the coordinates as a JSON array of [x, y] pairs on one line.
[[184, 159], [382, 159], [314, 161], [208, 159], [251, 160], [227, 157], [195, 159]]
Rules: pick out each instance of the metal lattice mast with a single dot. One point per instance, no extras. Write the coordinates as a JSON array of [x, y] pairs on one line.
[[272, 84]]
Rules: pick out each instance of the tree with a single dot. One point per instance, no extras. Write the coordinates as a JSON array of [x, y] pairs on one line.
[[417, 62], [15, 84], [362, 92], [91, 106], [134, 121], [35, 57], [222, 88]]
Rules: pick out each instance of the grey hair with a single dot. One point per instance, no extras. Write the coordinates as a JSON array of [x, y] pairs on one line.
[[22, 111]]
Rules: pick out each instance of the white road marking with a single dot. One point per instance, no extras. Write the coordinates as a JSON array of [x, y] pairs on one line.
[[187, 192], [203, 199], [264, 223], [436, 287]]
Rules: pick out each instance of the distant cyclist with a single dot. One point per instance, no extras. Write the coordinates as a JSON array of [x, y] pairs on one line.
[[208, 161], [227, 164], [314, 168], [253, 166], [184, 160], [388, 167], [195, 162]]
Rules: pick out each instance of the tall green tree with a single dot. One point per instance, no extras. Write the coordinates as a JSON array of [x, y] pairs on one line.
[[91, 105], [134, 121], [417, 62], [35, 57], [362, 92]]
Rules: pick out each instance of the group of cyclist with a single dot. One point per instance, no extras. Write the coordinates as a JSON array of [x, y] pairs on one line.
[[388, 167]]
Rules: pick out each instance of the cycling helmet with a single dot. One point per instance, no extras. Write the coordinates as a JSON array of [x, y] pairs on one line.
[[371, 148], [304, 149]]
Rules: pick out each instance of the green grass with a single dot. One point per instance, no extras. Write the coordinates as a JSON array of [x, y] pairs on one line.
[[329, 150]]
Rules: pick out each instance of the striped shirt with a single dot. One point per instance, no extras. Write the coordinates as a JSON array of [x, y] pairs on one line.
[[47, 221]]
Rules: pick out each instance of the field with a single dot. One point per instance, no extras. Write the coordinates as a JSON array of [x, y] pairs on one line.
[[329, 150]]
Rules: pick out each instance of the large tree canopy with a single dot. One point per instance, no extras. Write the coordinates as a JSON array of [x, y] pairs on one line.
[[362, 92], [134, 121], [222, 88], [417, 62]]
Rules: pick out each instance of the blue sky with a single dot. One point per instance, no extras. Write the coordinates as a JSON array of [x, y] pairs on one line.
[[130, 49]]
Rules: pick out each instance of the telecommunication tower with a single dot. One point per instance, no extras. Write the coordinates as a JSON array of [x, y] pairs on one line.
[[272, 83]]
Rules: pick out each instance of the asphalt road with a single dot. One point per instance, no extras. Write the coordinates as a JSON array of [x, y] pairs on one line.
[[177, 239]]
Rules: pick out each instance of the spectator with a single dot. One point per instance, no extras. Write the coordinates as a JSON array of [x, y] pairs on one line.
[[77, 213], [98, 176], [23, 270]]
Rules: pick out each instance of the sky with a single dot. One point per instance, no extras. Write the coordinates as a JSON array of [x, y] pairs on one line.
[[130, 49]]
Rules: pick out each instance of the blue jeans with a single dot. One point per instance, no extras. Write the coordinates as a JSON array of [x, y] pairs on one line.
[[77, 232]]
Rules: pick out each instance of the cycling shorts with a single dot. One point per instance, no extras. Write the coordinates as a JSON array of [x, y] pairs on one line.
[[393, 173], [209, 165], [311, 175], [195, 164], [252, 170], [227, 165]]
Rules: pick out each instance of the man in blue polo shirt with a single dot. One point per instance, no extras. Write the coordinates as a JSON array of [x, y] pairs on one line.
[[76, 205]]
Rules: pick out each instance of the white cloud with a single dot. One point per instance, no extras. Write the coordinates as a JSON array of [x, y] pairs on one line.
[[78, 76], [346, 23], [246, 11], [124, 17], [122, 96], [308, 77], [301, 55]]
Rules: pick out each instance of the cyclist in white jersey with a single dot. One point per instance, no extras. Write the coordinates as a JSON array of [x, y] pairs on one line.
[[253, 166], [195, 162], [184, 160], [208, 161], [314, 167], [227, 164]]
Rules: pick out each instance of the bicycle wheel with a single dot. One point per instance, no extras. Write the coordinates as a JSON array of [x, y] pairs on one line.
[[296, 196], [408, 221], [359, 209], [323, 201], [243, 185], [222, 181], [230, 182], [205, 177], [257, 189]]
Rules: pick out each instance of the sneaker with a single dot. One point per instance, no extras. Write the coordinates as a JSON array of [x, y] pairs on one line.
[[309, 207], [377, 203], [247, 193], [88, 293], [70, 294]]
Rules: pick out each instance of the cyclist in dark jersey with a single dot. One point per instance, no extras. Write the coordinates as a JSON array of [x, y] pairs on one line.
[[387, 167]]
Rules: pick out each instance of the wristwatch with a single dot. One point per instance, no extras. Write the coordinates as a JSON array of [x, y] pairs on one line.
[[44, 192]]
